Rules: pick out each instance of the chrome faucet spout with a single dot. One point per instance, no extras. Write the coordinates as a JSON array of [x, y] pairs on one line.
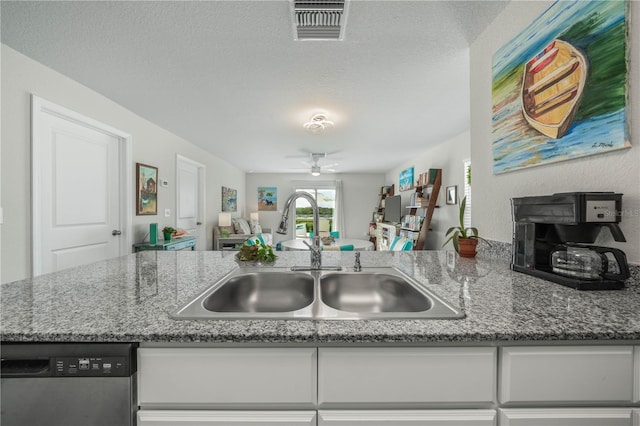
[[316, 254]]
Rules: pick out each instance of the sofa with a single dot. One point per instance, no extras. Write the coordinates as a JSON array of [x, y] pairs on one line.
[[241, 230]]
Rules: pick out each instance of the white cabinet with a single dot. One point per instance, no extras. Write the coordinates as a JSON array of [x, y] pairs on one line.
[[406, 417], [636, 375], [227, 377], [566, 375], [566, 417], [406, 377], [225, 418], [636, 417]]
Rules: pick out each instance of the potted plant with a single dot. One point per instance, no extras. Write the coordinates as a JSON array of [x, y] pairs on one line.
[[464, 239], [168, 232]]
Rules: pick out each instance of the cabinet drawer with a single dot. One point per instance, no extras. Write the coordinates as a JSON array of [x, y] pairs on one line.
[[566, 417], [225, 418], [182, 245], [227, 377], [405, 377], [582, 374], [406, 418]]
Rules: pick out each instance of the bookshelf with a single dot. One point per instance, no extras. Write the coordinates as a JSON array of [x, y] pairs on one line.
[[378, 213], [415, 225]]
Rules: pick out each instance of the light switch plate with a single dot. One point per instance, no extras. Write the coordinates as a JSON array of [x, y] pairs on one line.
[[167, 212]]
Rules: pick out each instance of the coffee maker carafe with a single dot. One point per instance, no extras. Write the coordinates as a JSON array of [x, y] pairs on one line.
[[553, 234]]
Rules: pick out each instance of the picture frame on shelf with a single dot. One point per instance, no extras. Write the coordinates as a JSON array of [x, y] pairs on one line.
[[406, 179], [452, 194], [146, 190]]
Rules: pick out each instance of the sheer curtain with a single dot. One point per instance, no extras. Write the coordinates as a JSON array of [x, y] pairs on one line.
[[338, 212]]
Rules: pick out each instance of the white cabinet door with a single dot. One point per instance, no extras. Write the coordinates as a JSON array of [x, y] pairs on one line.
[[566, 374], [636, 374], [406, 418], [405, 377], [225, 418], [227, 377], [566, 417]]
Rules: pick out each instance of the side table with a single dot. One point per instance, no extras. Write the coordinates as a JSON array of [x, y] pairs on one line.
[[230, 243], [180, 243]]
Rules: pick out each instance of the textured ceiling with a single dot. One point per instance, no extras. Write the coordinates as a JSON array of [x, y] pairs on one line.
[[228, 76]]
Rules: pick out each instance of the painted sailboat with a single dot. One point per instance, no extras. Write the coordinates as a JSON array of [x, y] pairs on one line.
[[552, 87]]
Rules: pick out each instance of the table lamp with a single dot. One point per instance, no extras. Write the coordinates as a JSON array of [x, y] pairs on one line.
[[224, 219]]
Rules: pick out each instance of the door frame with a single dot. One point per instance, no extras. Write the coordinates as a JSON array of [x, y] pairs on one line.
[[201, 238], [42, 106]]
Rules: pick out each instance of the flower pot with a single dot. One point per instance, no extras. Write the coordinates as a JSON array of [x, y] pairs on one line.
[[467, 247], [167, 236]]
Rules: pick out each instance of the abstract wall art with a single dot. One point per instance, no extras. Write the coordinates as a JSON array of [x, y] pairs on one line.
[[560, 87], [229, 199]]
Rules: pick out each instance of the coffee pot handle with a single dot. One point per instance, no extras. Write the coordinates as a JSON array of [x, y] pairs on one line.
[[621, 258]]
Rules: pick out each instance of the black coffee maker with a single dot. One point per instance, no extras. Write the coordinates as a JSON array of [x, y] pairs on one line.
[[553, 234]]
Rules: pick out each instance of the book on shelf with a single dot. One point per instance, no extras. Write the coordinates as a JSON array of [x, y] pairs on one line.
[[412, 222]]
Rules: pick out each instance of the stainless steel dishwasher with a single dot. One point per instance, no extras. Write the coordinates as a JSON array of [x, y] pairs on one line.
[[68, 384]]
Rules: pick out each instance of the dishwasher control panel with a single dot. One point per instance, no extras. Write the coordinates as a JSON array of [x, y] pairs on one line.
[[93, 366]]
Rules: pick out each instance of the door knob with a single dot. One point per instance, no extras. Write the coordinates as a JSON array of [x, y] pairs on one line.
[[198, 223], [116, 232]]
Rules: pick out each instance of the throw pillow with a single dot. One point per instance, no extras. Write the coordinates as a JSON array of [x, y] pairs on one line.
[[241, 226], [255, 227]]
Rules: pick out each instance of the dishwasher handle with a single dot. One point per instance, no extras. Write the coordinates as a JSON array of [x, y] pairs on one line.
[[35, 367]]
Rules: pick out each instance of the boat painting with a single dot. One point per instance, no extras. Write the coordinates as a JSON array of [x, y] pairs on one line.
[[560, 87], [552, 87]]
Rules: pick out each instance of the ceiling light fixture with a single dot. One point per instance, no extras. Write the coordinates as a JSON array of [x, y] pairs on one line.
[[317, 123], [315, 170]]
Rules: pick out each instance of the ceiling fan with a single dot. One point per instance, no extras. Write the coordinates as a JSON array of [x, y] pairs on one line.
[[315, 166]]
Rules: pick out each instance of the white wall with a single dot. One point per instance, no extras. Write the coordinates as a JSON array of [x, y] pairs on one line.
[[448, 156], [615, 171], [360, 195], [21, 77]]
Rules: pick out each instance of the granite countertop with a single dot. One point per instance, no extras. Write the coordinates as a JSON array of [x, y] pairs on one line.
[[129, 298]]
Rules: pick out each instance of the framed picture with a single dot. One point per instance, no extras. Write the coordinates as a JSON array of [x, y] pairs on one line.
[[229, 199], [146, 189], [452, 194], [406, 179], [560, 87], [267, 198]]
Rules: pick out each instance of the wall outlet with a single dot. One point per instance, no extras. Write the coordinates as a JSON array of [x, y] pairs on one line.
[[167, 212], [164, 183]]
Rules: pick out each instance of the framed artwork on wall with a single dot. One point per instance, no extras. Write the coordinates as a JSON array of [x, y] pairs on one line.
[[560, 87], [406, 179], [267, 198], [229, 199], [146, 189], [452, 194]]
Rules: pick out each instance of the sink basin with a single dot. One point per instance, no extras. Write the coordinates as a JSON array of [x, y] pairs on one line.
[[262, 292], [254, 293], [278, 293], [371, 292]]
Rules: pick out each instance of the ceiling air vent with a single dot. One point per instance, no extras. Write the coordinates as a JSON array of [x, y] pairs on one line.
[[319, 19]]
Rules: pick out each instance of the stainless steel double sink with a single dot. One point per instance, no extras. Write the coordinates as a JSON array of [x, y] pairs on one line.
[[279, 293]]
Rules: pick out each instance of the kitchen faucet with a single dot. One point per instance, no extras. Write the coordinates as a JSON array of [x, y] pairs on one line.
[[316, 254]]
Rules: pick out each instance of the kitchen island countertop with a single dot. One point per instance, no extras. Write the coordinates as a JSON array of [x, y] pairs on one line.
[[130, 298]]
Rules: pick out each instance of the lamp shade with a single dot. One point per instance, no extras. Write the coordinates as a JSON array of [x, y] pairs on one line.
[[254, 216], [224, 219]]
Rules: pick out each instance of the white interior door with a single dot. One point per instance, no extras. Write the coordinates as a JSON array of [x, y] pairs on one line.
[[190, 198], [79, 212]]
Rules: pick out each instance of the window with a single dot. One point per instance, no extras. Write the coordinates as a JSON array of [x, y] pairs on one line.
[[326, 200], [467, 193]]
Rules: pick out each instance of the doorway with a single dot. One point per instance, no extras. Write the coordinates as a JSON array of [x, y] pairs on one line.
[[190, 190], [81, 201]]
